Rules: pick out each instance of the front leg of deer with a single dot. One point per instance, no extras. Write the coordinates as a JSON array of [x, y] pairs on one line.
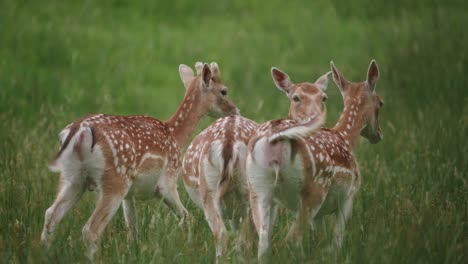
[[247, 233], [167, 189], [296, 233], [342, 215], [128, 206]]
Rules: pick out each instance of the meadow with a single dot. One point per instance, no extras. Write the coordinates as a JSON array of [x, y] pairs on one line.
[[60, 60]]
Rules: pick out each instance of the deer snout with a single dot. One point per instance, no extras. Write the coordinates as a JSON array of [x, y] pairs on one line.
[[377, 137]]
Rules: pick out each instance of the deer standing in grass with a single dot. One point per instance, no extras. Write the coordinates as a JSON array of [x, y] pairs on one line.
[[126, 157], [312, 175], [214, 164]]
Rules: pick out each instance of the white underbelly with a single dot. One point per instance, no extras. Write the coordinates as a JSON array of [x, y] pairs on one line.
[[144, 185], [289, 185]]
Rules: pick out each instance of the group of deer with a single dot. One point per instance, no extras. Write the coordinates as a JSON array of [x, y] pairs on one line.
[[235, 169]]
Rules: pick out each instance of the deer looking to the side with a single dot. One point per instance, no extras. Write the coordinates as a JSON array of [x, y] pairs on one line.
[[214, 164], [317, 174], [127, 157]]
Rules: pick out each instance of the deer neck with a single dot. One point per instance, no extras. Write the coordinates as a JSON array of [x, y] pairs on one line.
[[352, 120], [184, 121]]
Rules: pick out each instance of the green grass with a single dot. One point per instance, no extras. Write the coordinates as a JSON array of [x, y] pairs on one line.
[[60, 60]]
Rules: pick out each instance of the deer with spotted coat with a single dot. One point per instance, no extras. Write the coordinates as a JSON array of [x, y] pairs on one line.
[[214, 164], [124, 158], [312, 175]]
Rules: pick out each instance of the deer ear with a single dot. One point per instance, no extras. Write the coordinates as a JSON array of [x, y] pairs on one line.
[[186, 75], [206, 75], [322, 82], [199, 67], [372, 75], [338, 78], [281, 80], [214, 69]]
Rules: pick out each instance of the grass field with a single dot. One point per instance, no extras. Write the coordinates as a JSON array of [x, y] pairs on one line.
[[60, 60]]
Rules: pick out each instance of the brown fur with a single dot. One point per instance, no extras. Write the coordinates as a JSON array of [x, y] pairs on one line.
[[132, 145]]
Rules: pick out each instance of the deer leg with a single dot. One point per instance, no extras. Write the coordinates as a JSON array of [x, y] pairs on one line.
[[167, 189], [69, 193], [342, 215], [107, 206], [212, 212], [296, 233], [113, 190], [130, 218], [267, 212], [247, 232]]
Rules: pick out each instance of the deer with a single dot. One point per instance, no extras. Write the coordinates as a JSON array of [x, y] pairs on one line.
[[124, 158], [214, 163], [312, 175]]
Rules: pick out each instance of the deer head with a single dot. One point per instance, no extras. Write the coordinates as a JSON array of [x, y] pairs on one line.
[[212, 89], [367, 100], [306, 99]]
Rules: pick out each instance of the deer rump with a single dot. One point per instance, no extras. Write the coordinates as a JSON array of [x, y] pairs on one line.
[[275, 162], [224, 169], [79, 154]]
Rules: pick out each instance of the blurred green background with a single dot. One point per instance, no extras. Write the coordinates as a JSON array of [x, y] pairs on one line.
[[60, 60]]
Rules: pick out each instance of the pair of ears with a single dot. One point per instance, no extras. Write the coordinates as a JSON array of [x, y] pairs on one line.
[[372, 77], [206, 72], [284, 83]]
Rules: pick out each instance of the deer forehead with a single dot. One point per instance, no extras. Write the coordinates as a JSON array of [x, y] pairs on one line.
[[306, 89]]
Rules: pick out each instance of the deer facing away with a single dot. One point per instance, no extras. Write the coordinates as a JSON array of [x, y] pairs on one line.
[[126, 157], [214, 164], [312, 175]]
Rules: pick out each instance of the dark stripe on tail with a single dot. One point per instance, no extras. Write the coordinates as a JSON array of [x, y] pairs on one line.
[[73, 129], [227, 152], [93, 135]]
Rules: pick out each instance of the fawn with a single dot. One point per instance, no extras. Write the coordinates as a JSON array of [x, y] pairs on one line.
[[126, 157], [317, 174], [214, 164]]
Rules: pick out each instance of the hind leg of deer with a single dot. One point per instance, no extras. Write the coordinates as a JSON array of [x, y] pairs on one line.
[[69, 193], [342, 215], [128, 206], [113, 190], [211, 208], [107, 206], [266, 214]]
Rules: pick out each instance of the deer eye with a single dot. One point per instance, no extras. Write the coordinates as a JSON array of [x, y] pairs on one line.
[[224, 92], [296, 98]]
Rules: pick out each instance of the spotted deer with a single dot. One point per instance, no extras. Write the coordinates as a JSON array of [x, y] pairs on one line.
[[130, 157], [214, 164], [312, 175]]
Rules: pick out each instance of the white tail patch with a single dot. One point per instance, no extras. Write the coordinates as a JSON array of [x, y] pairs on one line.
[[81, 142], [300, 130]]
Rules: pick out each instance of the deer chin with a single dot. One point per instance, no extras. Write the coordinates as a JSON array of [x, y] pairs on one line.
[[310, 118], [218, 113], [373, 136]]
